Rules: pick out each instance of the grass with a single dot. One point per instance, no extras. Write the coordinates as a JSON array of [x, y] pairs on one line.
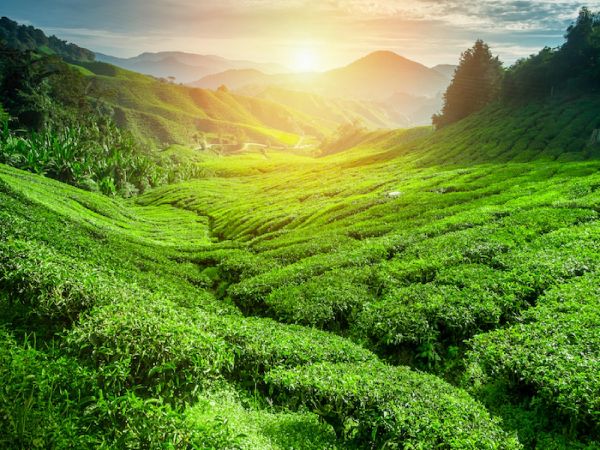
[[417, 290]]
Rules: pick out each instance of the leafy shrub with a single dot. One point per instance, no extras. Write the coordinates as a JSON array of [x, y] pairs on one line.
[[38, 408], [49, 400], [553, 354], [94, 155], [326, 301], [230, 419], [261, 344], [151, 345], [50, 284], [379, 406]]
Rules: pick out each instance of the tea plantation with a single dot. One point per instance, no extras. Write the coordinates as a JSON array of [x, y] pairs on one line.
[[420, 290]]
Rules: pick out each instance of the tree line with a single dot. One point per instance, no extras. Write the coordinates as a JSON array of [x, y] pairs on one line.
[[26, 37], [480, 78]]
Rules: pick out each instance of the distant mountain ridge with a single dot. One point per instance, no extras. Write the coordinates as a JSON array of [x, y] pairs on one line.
[[382, 89], [374, 77], [185, 67], [382, 73], [380, 77]]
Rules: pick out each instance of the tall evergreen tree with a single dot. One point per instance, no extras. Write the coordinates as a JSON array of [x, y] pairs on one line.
[[476, 83], [580, 54]]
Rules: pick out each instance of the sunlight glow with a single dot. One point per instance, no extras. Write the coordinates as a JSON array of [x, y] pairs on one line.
[[305, 60]]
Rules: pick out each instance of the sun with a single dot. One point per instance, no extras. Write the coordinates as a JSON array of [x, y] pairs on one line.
[[305, 60]]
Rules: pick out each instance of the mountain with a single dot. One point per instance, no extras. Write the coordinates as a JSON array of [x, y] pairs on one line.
[[380, 77], [446, 70], [375, 77], [380, 74], [160, 112], [185, 67]]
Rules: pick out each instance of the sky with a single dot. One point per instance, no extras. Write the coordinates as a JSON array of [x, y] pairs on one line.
[[303, 34]]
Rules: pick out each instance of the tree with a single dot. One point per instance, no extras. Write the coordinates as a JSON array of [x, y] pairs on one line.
[[573, 67], [38, 88], [476, 83], [578, 50], [533, 77], [580, 54]]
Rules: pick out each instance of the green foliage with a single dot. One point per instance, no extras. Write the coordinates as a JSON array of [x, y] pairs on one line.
[[225, 421], [553, 354], [476, 83], [71, 137], [50, 284], [137, 353], [50, 401], [572, 67], [325, 301], [148, 345], [24, 37], [384, 407], [409, 258], [94, 155], [261, 344]]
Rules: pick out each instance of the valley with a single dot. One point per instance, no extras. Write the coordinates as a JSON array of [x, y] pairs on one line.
[[267, 260]]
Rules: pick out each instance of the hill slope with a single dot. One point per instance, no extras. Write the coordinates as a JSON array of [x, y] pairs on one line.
[[434, 261], [331, 112], [160, 112], [168, 113], [26, 37], [286, 291]]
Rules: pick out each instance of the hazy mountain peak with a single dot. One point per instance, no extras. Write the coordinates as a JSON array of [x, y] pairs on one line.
[[383, 59]]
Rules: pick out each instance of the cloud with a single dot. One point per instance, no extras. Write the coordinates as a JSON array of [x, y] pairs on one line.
[[428, 30]]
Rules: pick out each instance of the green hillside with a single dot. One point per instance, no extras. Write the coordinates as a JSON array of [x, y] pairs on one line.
[[167, 113], [157, 111], [413, 259], [393, 294], [27, 37], [555, 129], [117, 333]]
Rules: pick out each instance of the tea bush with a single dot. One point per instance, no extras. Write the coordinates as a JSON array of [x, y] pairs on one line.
[[386, 407], [553, 354]]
